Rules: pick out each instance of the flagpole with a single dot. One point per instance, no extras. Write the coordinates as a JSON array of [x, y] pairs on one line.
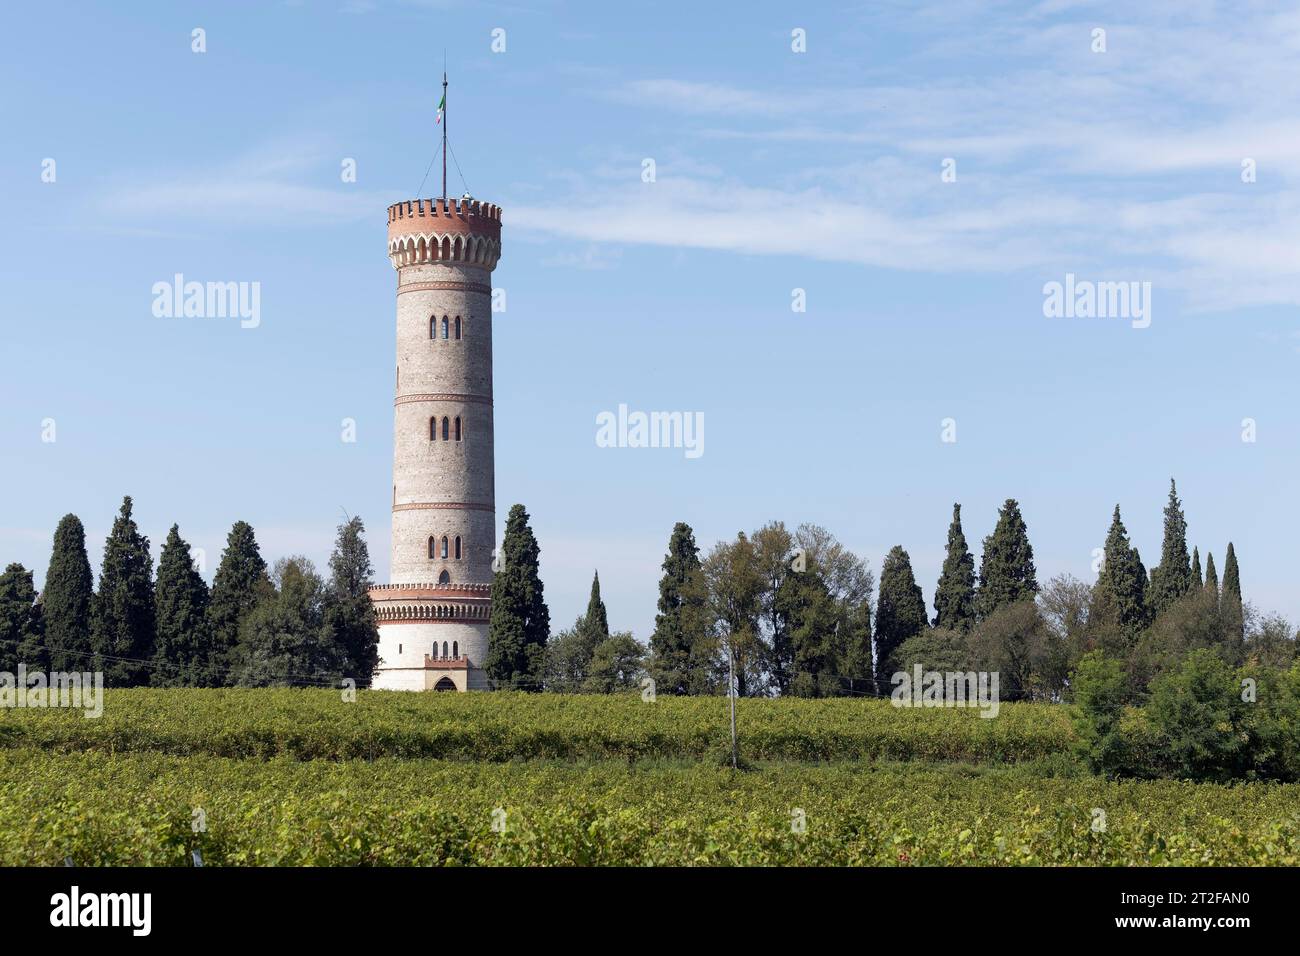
[[444, 133]]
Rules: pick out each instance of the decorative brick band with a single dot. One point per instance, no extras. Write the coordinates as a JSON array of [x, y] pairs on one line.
[[482, 287], [443, 506], [423, 613], [442, 397]]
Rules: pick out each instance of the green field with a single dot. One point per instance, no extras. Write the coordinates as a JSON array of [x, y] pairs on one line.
[[300, 777]]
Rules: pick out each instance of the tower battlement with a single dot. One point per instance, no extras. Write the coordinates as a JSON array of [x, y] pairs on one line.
[[445, 208], [464, 231]]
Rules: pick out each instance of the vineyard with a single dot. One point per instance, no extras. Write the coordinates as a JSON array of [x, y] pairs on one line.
[[302, 777]]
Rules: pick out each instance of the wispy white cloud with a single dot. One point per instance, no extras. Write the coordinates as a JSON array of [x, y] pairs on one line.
[[285, 181], [1127, 161]]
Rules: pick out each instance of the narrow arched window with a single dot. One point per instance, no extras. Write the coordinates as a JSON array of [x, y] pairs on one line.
[[444, 578], [457, 547], [455, 648], [444, 547], [445, 425], [458, 326], [444, 326], [457, 428], [433, 428], [433, 326], [444, 648], [431, 546]]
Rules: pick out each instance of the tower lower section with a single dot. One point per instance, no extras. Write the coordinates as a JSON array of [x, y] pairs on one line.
[[431, 636]]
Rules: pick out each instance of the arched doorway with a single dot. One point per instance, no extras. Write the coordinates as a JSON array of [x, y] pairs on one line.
[[445, 683]]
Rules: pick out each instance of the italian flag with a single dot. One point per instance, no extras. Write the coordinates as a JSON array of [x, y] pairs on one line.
[[442, 103]]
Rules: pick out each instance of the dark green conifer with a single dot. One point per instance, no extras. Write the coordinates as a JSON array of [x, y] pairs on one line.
[[1173, 577], [954, 598], [123, 629], [521, 623], [68, 598], [1007, 572], [900, 612], [678, 663], [181, 637]]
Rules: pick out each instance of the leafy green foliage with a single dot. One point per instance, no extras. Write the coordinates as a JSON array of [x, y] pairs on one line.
[[311, 724], [137, 809], [1100, 688], [286, 640], [1199, 711]]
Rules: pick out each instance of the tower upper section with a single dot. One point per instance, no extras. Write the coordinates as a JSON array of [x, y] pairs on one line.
[[465, 232]]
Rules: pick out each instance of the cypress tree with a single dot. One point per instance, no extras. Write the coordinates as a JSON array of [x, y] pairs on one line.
[[349, 612], [1123, 578], [181, 641], [1211, 576], [1197, 581], [1007, 570], [1172, 578], [954, 598], [900, 611], [21, 628], [1233, 611], [123, 631], [812, 614], [68, 598], [676, 664], [240, 584], [520, 624], [594, 626]]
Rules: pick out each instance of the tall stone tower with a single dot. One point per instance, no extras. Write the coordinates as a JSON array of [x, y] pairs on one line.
[[433, 617]]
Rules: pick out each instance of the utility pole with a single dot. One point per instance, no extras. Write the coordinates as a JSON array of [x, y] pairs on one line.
[[731, 692]]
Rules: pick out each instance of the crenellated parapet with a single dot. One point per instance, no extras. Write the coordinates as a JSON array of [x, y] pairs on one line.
[[461, 231]]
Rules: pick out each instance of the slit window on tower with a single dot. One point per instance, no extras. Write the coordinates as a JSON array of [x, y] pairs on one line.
[[444, 547], [444, 326], [457, 428], [444, 648], [457, 547], [431, 546], [433, 326], [458, 327], [445, 427], [455, 648]]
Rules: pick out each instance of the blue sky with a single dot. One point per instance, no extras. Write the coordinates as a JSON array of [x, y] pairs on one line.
[[775, 170]]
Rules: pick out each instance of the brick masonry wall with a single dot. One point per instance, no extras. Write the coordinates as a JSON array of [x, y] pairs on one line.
[[441, 487]]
